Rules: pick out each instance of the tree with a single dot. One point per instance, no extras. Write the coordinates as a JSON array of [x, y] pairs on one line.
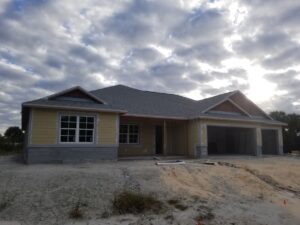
[[14, 135], [279, 115], [291, 139]]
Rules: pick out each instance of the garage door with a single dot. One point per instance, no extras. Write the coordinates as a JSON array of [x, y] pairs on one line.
[[269, 142], [231, 140]]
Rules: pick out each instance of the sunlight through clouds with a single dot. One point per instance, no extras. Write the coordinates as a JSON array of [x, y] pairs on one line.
[[189, 47]]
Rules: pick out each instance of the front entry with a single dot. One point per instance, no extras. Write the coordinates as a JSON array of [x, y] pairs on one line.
[[158, 139]]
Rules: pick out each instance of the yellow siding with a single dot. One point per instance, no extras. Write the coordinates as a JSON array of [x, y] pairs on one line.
[[107, 129], [43, 127], [45, 130]]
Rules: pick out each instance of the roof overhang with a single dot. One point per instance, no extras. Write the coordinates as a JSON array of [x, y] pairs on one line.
[[155, 117], [72, 108], [271, 122]]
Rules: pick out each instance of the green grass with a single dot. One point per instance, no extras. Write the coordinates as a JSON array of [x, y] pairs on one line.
[[136, 203]]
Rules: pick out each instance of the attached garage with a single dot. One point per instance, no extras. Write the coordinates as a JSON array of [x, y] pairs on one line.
[[231, 140], [269, 142]]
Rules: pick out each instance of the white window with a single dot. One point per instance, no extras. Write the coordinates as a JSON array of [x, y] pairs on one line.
[[77, 129], [129, 134]]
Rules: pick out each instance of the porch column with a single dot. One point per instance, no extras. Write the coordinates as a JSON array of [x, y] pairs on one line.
[[258, 150], [280, 141], [165, 138], [201, 149]]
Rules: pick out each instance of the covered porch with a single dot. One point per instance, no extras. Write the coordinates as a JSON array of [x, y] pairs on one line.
[[144, 136]]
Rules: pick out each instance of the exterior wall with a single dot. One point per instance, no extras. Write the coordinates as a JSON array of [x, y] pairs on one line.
[[108, 126], [43, 138], [280, 141], [193, 136], [258, 141], [146, 145], [70, 154], [43, 127], [175, 137]]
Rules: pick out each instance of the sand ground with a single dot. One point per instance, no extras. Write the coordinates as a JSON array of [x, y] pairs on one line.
[[234, 191]]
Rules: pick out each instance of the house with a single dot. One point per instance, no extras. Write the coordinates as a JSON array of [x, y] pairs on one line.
[[117, 121]]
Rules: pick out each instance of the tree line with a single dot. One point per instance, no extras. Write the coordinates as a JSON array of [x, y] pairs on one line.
[[13, 138], [291, 133]]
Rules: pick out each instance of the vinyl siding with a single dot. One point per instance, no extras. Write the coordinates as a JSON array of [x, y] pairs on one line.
[[43, 127], [107, 128], [44, 130]]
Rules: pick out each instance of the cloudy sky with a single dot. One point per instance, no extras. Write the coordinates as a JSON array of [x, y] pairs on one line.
[[188, 47]]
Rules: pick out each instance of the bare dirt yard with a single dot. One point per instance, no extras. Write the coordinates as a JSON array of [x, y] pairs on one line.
[[233, 191]]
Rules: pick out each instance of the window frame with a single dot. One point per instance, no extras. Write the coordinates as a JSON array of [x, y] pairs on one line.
[[128, 134], [77, 129]]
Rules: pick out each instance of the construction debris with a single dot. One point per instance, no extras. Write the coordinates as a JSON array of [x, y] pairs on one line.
[[171, 162], [207, 162]]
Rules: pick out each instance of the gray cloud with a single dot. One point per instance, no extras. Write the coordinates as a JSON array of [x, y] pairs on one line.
[[47, 46]]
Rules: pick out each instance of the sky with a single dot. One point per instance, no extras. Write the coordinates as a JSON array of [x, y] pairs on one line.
[[193, 48]]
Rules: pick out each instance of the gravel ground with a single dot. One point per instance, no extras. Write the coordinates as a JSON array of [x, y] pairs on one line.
[[238, 191]]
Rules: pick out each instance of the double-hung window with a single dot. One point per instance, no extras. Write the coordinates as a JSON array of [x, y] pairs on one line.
[[129, 134], [77, 129]]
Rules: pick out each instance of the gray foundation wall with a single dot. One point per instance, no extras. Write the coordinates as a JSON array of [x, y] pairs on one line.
[[201, 151], [69, 154]]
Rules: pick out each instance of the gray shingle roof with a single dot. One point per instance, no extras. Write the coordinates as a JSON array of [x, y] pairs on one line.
[[146, 103]]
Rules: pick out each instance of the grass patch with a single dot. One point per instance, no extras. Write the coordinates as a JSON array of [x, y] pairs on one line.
[[136, 203]]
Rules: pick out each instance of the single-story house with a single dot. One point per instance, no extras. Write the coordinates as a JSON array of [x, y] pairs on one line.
[[120, 121]]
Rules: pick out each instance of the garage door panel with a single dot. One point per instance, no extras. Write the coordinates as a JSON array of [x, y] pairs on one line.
[[269, 143], [231, 140]]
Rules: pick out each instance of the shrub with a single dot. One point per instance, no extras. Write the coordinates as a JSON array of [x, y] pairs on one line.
[[135, 203], [76, 212]]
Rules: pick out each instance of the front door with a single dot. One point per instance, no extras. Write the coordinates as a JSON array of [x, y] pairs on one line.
[[158, 139]]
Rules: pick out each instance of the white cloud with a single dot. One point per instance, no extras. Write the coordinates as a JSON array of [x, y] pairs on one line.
[[198, 48]]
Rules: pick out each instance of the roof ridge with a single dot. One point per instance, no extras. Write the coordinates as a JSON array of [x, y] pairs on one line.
[[226, 93], [146, 91]]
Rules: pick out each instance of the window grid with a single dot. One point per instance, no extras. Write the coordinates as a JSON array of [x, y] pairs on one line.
[[77, 129], [129, 134]]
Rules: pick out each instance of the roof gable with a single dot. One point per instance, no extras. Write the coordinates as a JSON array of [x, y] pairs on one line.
[[254, 111], [76, 93], [228, 107]]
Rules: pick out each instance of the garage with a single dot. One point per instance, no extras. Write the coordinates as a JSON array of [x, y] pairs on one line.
[[231, 140], [269, 142]]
